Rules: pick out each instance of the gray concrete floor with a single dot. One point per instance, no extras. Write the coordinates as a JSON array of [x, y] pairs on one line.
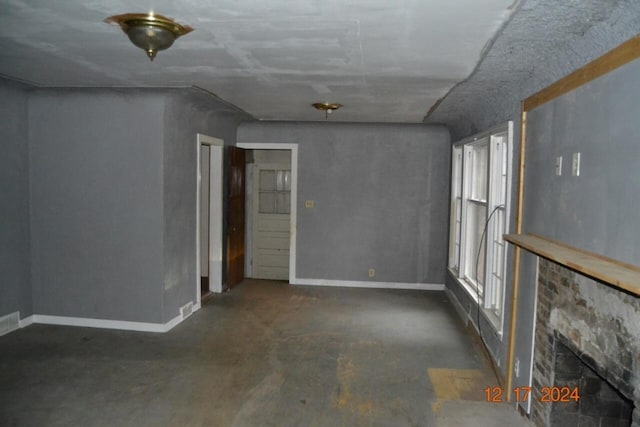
[[266, 354]]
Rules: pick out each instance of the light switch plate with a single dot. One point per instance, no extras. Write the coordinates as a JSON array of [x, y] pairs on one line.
[[575, 166]]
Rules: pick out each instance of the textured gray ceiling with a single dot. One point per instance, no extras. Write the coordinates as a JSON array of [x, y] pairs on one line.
[[385, 61], [542, 42]]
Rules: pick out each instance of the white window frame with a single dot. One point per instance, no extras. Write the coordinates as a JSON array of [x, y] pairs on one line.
[[455, 208], [470, 201], [489, 291]]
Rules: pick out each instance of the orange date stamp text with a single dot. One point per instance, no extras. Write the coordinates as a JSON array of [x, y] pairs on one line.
[[523, 394]]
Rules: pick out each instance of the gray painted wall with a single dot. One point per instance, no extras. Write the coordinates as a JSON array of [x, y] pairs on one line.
[[15, 286], [187, 113], [113, 184], [509, 73], [97, 203], [598, 210], [380, 197]]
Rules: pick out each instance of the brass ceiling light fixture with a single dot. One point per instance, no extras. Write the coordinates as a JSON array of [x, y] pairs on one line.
[[327, 107], [148, 31]]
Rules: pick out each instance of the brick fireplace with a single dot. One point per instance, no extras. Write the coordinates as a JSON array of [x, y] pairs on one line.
[[587, 337]]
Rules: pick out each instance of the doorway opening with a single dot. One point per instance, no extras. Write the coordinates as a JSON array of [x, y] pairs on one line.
[[268, 201], [271, 190], [209, 203]]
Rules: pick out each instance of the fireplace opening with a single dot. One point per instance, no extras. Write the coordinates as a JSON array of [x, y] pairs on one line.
[[600, 404]]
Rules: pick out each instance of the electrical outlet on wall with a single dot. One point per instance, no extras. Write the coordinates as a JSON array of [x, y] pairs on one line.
[[372, 272]]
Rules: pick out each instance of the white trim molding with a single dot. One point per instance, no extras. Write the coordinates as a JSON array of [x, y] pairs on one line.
[[371, 285], [216, 201], [85, 322], [27, 321]]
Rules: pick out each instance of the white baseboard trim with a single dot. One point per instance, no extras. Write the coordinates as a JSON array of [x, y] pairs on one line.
[[172, 323], [371, 285], [7, 327], [85, 322], [106, 324], [26, 321]]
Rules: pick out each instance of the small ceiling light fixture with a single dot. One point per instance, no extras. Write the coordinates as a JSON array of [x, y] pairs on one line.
[[148, 31], [327, 107]]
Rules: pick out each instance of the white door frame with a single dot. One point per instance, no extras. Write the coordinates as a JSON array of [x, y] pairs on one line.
[[294, 194], [216, 166]]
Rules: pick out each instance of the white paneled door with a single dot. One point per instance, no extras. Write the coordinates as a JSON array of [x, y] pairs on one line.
[[271, 213]]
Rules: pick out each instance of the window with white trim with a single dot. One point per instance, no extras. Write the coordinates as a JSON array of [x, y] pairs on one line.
[[480, 187], [455, 210]]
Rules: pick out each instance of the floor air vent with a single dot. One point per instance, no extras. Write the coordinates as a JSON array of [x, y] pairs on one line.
[[186, 310], [9, 323]]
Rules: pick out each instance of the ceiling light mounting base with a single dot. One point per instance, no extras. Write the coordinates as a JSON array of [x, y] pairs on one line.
[[327, 107]]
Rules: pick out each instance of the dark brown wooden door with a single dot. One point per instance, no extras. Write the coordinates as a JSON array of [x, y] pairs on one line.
[[235, 223]]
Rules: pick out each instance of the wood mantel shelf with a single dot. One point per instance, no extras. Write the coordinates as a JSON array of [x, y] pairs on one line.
[[614, 273]]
